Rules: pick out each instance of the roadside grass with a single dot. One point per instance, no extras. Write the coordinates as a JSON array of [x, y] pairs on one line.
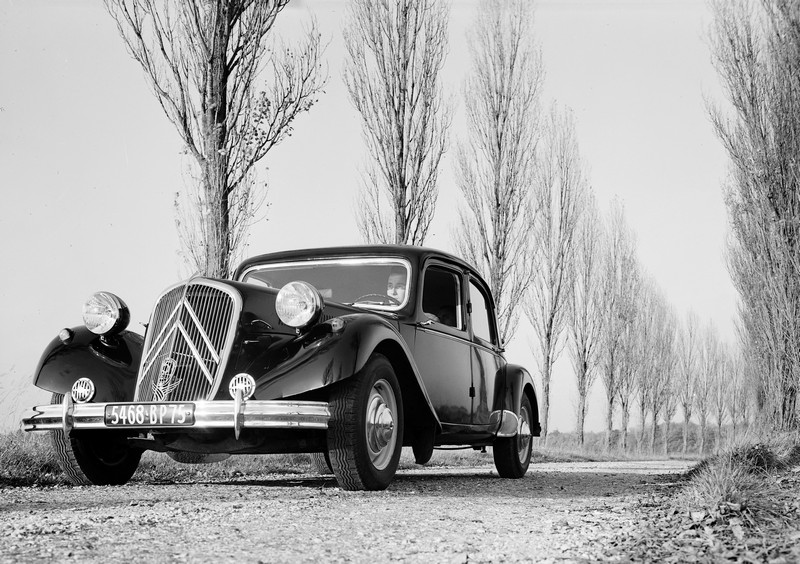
[[27, 459], [740, 505]]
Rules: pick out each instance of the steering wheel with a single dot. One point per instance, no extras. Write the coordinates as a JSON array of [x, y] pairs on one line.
[[377, 299]]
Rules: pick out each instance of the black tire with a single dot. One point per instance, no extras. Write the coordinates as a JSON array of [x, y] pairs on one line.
[[321, 463], [422, 447], [98, 458], [363, 454], [512, 455]]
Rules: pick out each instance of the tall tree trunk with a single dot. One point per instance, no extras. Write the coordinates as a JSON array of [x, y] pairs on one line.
[[581, 418], [702, 446], [653, 434], [685, 435], [609, 424], [216, 105], [546, 373], [625, 420], [642, 433], [666, 437]]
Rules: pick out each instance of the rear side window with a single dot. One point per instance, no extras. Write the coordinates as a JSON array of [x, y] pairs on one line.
[[481, 316]]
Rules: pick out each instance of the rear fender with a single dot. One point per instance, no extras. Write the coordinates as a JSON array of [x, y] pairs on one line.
[[509, 392], [111, 363]]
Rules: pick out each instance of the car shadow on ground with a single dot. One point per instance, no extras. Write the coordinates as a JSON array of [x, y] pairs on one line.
[[467, 483]]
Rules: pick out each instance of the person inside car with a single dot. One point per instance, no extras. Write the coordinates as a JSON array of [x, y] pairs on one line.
[[396, 285]]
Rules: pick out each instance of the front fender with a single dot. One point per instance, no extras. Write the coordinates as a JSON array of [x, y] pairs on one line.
[[509, 390], [328, 356], [112, 364]]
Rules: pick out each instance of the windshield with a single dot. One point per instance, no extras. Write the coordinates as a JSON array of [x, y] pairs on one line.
[[379, 283]]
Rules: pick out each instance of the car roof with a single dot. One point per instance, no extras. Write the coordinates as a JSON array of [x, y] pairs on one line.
[[416, 255]]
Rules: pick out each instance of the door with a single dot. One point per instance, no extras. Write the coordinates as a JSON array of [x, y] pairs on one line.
[[442, 344], [487, 362]]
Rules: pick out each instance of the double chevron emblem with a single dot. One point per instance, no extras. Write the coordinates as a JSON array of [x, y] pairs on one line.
[[188, 329]]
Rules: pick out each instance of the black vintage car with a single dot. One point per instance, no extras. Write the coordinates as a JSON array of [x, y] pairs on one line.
[[347, 353]]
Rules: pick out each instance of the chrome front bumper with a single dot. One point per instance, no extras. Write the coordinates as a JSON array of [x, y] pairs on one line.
[[237, 415]]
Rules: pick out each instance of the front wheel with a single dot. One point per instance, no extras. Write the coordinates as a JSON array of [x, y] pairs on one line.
[[365, 432], [99, 458], [512, 455], [321, 463]]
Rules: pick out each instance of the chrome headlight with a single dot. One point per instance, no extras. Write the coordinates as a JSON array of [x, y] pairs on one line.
[[298, 304], [105, 313]]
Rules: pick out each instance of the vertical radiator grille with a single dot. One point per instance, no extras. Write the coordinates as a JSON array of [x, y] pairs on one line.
[[188, 342]]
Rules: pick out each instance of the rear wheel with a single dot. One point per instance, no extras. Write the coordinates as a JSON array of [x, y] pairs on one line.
[[423, 447], [365, 433], [99, 458], [512, 455]]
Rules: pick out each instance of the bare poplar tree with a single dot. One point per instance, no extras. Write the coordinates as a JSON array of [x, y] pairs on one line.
[[585, 323], [722, 386], [757, 55], [734, 391], [671, 396], [396, 49], [654, 336], [709, 367], [643, 350], [495, 164], [663, 399], [688, 370], [203, 59], [740, 393], [631, 359], [650, 317], [560, 187], [619, 262]]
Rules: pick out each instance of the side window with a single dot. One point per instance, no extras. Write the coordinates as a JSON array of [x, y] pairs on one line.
[[441, 297], [481, 316]]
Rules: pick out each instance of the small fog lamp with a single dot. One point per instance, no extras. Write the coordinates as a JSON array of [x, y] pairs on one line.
[[82, 390], [244, 382]]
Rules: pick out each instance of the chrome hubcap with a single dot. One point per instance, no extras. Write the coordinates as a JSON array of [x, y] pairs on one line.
[[380, 429]]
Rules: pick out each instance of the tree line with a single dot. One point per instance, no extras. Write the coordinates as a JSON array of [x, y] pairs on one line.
[[528, 218]]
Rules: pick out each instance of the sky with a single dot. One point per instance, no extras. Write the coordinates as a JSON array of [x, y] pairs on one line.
[[90, 165]]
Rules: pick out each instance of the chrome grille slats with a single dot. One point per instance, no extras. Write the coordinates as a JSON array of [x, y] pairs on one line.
[[189, 339]]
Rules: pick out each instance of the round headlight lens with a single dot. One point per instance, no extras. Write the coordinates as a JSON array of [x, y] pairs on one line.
[[298, 304], [104, 313]]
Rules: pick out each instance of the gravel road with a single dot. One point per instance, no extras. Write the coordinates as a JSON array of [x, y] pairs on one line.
[[558, 512]]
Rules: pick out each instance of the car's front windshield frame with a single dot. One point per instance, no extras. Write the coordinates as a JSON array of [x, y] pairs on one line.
[[372, 261]]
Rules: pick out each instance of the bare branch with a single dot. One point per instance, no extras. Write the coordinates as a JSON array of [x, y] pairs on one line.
[[495, 164], [396, 49], [202, 59]]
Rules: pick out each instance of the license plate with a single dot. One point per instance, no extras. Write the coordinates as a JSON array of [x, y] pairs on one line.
[[149, 414]]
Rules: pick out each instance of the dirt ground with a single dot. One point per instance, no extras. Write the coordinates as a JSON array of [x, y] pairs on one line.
[[559, 512]]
